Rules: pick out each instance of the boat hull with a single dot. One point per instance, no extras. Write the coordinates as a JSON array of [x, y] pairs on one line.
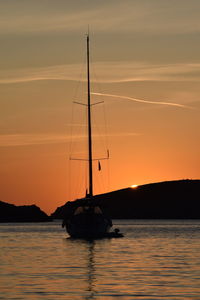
[[88, 226]]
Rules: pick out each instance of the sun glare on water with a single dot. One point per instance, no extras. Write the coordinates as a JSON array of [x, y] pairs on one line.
[[134, 186]]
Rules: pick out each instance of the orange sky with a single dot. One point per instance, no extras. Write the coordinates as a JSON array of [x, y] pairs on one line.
[[146, 69]]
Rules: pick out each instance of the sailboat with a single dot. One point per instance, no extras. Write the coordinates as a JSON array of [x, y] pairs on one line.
[[87, 219]]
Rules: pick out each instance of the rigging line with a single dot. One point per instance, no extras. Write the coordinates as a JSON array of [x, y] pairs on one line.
[[77, 179], [99, 182], [106, 127], [79, 132], [76, 90], [105, 140], [103, 183], [97, 83], [99, 134], [108, 174], [80, 168], [71, 134], [100, 179], [107, 146], [70, 152], [81, 180], [80, 77]]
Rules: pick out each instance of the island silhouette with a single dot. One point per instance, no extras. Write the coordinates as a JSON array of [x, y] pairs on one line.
[[178, 199], [163, 200], [25, 213]]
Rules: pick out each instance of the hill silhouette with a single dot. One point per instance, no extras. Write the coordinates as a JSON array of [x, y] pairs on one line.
[[164, 200], [25, 213]]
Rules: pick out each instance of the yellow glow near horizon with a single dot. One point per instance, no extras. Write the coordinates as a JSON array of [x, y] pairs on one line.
[[134, 186]]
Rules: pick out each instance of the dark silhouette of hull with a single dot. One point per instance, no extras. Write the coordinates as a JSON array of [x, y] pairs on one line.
[[87, 226], [87, 222]]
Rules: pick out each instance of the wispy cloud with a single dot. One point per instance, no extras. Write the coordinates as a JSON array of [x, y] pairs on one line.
[[142, 101], [7, 140], [119, 16], [59, 72], [14, 140], [119, 71]]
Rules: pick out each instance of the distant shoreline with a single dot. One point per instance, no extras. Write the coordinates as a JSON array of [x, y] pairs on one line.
[[26, 213], [169, 200], [176, 199]]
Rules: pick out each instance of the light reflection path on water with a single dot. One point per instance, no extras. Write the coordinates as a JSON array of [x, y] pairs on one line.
[[155, 260]]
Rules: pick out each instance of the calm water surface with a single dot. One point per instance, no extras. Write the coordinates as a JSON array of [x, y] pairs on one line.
[[155, 260]]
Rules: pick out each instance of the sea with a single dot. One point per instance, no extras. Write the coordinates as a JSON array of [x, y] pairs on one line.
[[156, 259]]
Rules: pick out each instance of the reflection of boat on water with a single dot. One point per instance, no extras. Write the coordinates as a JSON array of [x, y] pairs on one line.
[[86, 268], [91, 271], [87, 220]]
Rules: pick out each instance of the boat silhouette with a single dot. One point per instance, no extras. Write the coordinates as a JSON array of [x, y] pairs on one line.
[[87, 220]]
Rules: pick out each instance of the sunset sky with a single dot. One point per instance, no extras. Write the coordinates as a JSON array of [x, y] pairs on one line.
[[145, 57]]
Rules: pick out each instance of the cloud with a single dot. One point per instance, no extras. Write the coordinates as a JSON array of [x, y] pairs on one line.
[[14, 140], [142, 101], [118, 71], [7, 140], [179, 16]]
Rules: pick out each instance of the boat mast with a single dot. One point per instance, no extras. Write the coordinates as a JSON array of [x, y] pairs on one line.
[[89, 121]]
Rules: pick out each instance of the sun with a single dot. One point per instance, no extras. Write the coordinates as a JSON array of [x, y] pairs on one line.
[[134, 186]]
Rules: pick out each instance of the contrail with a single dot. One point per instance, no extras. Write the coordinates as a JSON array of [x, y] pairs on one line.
[[141, 100]]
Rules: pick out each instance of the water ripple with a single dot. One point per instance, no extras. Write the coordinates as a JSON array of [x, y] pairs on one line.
[[155, 260]]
